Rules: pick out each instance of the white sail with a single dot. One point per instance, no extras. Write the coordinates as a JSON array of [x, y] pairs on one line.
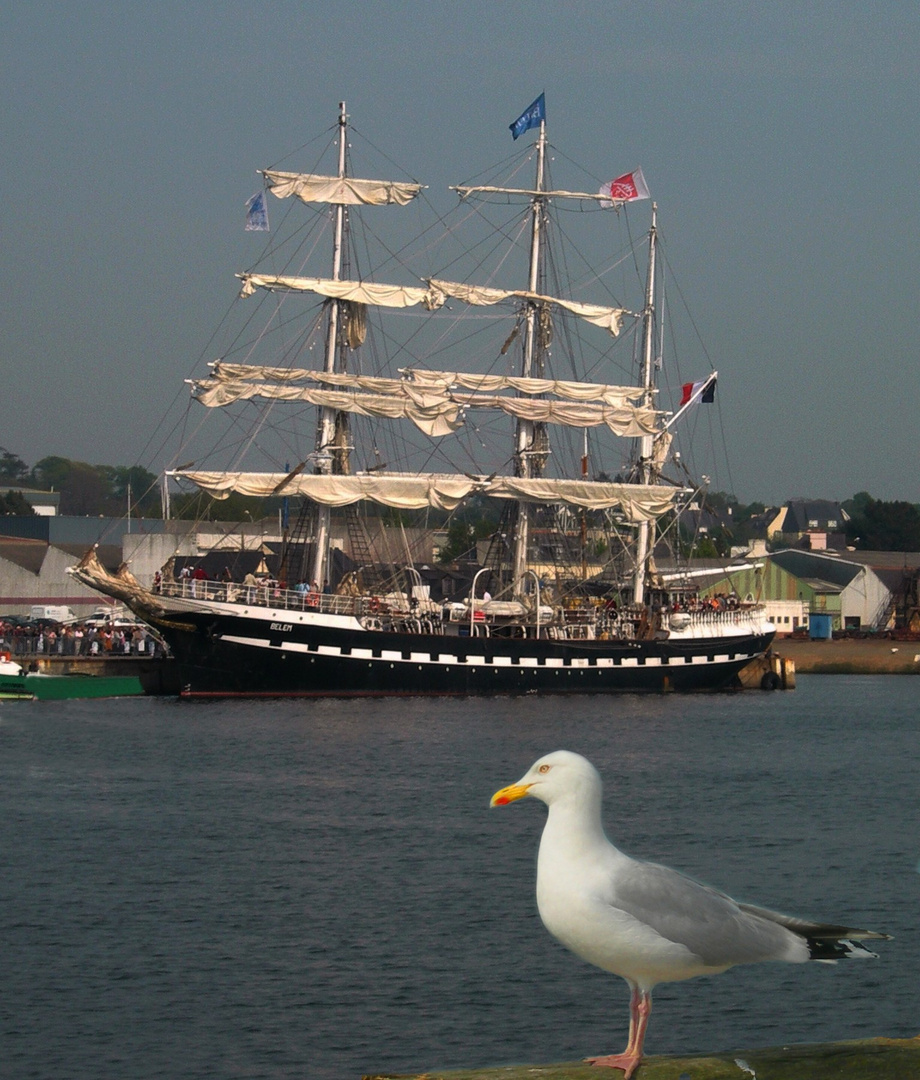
[[404, 492], [629, 421], [437, 413], [422, 379], [361, 292], [230, 373], [638, 502], [610, 394], [486, 189], [341, 190], [411, 491], [608, 318]]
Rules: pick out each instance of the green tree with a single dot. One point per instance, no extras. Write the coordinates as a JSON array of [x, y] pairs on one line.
[[15, 503], [85, 489], [134, 484], [876, 525], [197, 506], [51, 473], [13, 470], [462, 536]]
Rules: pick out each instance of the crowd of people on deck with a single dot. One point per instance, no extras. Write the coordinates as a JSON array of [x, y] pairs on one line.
[[253, 587], [719, 602]]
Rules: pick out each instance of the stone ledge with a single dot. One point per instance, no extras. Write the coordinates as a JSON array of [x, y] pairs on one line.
[[861, 1059]]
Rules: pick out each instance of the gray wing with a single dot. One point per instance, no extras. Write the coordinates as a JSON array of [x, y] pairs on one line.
[[808, 929], [825, 941], [707, 922]]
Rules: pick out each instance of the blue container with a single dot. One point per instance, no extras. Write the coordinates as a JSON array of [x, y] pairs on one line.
[[820, 627]]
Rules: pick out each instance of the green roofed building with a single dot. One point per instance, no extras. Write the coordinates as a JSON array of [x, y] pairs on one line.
[[796, 584]]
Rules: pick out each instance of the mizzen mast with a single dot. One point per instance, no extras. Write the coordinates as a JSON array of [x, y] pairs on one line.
[[646, 443]]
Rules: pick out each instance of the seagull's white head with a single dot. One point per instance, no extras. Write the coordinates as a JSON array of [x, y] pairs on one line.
[[554, 777]]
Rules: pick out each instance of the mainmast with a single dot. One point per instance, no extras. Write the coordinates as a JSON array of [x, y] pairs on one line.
[[526, 449], [646, 443], [326, 432]]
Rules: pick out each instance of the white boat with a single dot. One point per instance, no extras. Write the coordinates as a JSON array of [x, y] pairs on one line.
[[568, 598]]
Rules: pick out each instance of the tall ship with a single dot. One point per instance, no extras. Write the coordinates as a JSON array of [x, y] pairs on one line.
[[409, 403]]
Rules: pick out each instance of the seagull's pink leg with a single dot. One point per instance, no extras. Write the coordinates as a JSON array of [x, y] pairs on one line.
[[640, 1007]]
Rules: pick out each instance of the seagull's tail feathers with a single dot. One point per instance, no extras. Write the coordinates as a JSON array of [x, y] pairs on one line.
[[826, 943]]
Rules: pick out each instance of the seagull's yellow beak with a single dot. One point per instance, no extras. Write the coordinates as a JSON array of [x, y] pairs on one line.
[[509, 794]]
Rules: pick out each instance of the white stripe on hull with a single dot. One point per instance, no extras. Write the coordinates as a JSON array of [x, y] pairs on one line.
[[479, 660]]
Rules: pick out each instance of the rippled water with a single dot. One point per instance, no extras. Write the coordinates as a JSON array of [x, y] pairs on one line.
[[320, 890]]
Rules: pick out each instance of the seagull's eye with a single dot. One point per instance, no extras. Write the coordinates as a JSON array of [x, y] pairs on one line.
[[545, 768]]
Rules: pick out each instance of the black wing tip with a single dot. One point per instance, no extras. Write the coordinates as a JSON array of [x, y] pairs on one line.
[[844, 948]]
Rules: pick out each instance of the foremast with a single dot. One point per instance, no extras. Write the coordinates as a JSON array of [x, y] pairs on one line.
[[345, 325], [328, 421]]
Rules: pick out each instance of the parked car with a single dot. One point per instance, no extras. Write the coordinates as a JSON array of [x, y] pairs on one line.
[[110, 619], [16, 620]]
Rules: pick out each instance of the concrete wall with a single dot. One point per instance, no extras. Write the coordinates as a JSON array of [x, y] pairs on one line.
[[21, 588]]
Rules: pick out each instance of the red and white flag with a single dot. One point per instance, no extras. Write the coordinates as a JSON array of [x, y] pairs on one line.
[[625, 188]]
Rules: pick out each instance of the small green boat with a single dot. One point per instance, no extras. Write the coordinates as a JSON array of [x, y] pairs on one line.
[[17, 685]]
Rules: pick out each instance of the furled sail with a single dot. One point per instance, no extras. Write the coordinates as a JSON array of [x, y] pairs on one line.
[[608, 318], [343, 190], [610, 394], [436, 411], [639, 502], [412, 491], [362, 292], [627, 422], [530, 193], [422, 379], [433, 297], [409, 491], [434, 414]]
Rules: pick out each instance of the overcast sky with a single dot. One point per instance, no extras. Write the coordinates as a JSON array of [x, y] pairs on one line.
[[779, 139]]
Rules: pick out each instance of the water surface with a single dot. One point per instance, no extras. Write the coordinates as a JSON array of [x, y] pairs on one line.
[[319, 889]]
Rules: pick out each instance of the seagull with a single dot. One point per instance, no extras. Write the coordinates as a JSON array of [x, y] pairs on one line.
[[645, 922]]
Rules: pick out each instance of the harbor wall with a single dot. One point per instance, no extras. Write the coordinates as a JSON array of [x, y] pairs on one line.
[[851, 656]]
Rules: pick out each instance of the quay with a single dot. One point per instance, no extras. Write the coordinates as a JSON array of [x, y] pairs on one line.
[[861, 1059], [851, 656]]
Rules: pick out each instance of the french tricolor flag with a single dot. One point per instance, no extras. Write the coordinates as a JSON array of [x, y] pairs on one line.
[[692, 389]]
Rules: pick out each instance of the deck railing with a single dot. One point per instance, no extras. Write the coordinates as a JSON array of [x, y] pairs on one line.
[[628, 622], [270, 595]]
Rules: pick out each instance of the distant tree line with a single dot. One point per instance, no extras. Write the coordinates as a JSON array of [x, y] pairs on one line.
[[93, 490], [107, 490], [85, 489], [872, 525], [875, 525]]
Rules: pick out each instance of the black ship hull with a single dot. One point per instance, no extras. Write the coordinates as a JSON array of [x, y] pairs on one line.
[[224, 655]]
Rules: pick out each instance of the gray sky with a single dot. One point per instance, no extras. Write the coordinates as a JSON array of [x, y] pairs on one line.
[[779, 139]]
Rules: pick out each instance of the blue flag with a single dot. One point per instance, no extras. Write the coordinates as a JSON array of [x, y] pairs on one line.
[[531, 117], [257, 213]]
